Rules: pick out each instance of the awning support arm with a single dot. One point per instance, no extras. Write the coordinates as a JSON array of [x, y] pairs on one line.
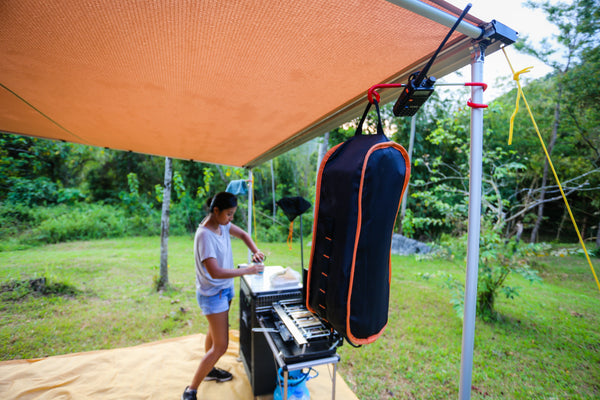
[[493, 30], [440, 16]]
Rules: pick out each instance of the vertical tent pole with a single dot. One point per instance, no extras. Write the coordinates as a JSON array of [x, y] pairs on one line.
[[301, 245], [475, 168], [273, 189], [250, 201], [410, 151]]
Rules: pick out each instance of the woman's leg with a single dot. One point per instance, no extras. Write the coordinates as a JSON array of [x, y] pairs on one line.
[[208, 341], [218, 330]]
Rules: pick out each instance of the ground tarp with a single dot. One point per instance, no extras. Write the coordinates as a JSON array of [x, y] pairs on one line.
[[158, 370]]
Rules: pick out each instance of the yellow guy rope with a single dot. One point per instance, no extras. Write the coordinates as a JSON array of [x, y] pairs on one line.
[[516, 76]]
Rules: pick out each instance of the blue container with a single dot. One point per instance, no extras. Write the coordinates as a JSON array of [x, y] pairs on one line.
[[297, 389]]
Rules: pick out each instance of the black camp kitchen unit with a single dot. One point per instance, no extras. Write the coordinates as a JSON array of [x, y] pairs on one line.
[[277, 331]]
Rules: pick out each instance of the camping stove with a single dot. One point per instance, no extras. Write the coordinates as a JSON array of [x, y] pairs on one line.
[[298, 334], [277, 330]]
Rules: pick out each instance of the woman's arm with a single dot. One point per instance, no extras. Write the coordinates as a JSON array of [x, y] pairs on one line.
[[216, 272], [236, 231]]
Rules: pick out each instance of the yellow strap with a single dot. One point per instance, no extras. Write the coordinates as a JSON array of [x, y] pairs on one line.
[[290, 234], [521, 94], [516, 77]]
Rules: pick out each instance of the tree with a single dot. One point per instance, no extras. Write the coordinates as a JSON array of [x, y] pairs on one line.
[[163, 279], [572, 40], [40, 171]]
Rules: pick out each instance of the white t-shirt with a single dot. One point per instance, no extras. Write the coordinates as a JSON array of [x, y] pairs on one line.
[[208, 244]]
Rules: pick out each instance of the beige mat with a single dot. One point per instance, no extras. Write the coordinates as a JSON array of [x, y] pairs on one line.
[[158, 370]]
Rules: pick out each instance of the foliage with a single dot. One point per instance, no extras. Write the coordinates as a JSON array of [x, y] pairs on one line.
[[545, 345], [29, 159], [23, 226], [439, 188], [498, 259], [18, 290], [31, 192]]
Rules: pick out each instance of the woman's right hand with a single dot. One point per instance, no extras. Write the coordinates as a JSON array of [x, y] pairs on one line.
[[255, 268]]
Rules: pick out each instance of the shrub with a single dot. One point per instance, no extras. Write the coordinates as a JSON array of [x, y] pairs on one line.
[[39, 191], [21, 225], [15, 290], [498, 258], [69, 196]]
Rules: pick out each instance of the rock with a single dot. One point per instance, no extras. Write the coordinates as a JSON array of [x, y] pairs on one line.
[[404, 246]]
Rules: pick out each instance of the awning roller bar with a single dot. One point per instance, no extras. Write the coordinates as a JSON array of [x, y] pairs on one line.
[[439, 16]]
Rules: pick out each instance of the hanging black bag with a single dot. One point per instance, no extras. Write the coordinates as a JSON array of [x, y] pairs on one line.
[[359, 188]]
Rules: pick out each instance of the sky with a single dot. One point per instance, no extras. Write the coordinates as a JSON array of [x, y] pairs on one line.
[[527, 22]]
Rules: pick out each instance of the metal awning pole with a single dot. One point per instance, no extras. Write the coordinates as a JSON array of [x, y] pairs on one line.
[[250, 201], [475, 168], [411, 143], [440, 16]]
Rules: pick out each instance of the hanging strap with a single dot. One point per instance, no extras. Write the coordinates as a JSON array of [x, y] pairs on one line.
[[290, 235], [362, 120]]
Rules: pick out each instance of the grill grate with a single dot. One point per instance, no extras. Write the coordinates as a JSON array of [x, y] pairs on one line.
[[302, 324], [269, 300]]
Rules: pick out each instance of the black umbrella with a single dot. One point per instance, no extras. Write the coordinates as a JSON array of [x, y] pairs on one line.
[[293, 207]]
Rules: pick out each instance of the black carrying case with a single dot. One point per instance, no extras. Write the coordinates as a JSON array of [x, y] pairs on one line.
[[359, 188]]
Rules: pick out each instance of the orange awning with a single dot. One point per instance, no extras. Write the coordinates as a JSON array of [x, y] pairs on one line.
[[226, 82]]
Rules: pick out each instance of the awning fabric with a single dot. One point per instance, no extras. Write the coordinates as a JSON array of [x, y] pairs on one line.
[[225, 82]]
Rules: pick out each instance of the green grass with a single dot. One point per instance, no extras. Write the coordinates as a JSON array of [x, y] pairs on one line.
[[546, 345]]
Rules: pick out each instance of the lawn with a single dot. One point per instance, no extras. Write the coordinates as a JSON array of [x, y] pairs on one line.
[[546, 345]]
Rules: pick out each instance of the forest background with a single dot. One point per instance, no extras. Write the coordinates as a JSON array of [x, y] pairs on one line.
[[52, 192]]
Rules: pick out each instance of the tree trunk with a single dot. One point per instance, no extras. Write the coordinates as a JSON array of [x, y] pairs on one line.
[[561, 226], [540, 213], [598, 236], [163, 279]]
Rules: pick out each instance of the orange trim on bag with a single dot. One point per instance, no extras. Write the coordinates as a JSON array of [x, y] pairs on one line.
[[322, 291], [326, 256], [378, 146], [406, 178], [318, 195], [328, 238], [324, 274]]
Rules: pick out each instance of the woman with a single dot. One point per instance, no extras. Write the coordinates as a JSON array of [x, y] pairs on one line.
[[214, 282]]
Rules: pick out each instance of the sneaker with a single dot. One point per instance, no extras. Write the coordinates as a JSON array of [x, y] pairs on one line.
[[188, 394], [219, 375]]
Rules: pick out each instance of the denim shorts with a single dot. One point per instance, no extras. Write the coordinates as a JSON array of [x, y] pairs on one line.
[[216, 303]]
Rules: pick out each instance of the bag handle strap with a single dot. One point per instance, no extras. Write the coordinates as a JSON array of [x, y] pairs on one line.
[[364, 116]]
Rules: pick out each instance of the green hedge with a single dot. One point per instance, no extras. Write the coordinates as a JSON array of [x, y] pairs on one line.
[[23, 226]]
